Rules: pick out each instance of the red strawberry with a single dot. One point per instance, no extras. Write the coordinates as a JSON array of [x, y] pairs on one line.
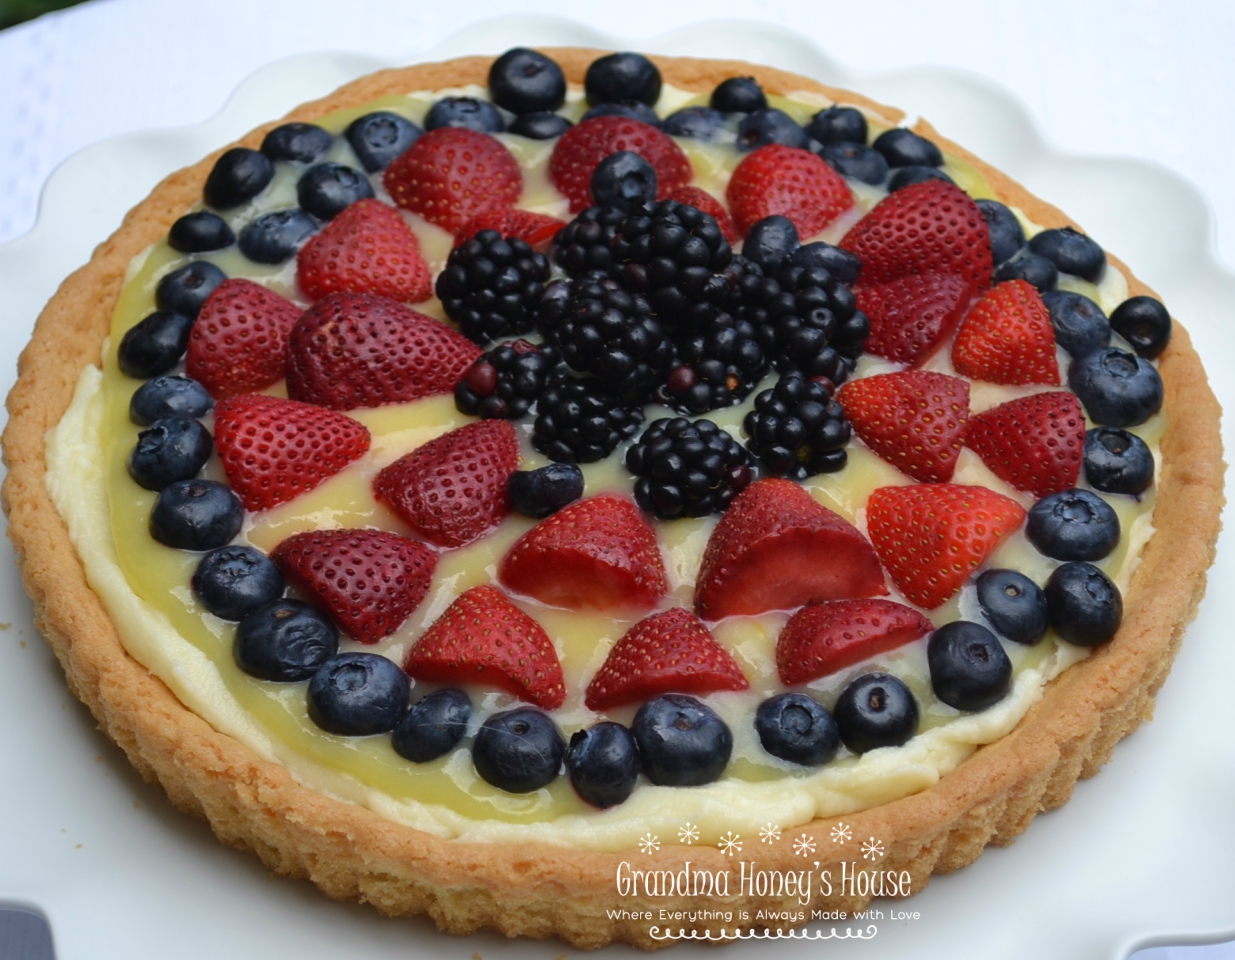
[[357, 350], [536, 228], [453, 489], [1034, 443], [273, 450], [237, 343], [368, 248], [915, 420], [788, 181], [584, 145], [932, 536], [777, 548], [484, 638], [670, 652], [369, 581], [700, 199], [826, 637], [912, 317], [1008, 338], [452, 175], [598, 554]]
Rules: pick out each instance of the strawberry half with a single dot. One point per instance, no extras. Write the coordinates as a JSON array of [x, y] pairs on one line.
[[915, 420], [1008, 338], [369, 581], [826, 637], [597, 554], [777, 548], [789, 181], [453, 489], [536, 228], [273, 450], [1034, 443], [484, 638], [368, 248], [700, 199], [670, 652], [357, 350], [932, 536], [912, 316]]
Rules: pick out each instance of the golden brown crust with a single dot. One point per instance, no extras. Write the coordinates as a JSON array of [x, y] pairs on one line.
[[538, 890]]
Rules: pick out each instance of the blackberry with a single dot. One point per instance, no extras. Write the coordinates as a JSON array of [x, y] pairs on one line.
[[687, 468], [797, 430], [579, 421], [583, 244], [504, 383], [720, 365], [492, 286]]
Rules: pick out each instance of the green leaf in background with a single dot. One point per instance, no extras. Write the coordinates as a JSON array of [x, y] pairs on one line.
[[13, 12]]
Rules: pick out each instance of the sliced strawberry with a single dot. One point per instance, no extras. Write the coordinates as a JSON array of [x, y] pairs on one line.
[[777, 548], [670, 652], [913, 316], [584, 145], [788, 181], [826, 637], [273, 450], [1008, 338], [932, 536], [356, 350], [369, 581], [915, 420], [598, 554], [536, 228], [700, 199], [484, 638], [453, 489], [368, 248], [1034, 443]]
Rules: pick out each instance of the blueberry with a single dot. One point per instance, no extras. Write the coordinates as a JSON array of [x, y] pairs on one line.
[[838, 125], [196, 515], [622, 180], [539, 493], [1116, 388], [377, 138], [904, 148], [525, 81], [200, 232], [155, 344], [770, 125], [169, 397], [358, 694], [907, 176], [795, 727], [327, 189], [682, 742], [519, 751], [622, 76], [276, 237], [771, 241], [876, 710], [841, 264], [168, 450], [1085, 606], [969, 668], [698, 123], [738, 95], [1117, 461], [467, 112], [186, 289], [539, 126], [1080, 325], [434, 726], [1007, 237], [1014, 605], [284, 641], [857, 161], [297, 142], [603, 763], [1071, 252], [237, 176], [1144, 323], [1073, 525], [631, 109], [1036, 271], [232, 582]]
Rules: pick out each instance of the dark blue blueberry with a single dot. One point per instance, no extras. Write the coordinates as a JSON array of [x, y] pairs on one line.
[[285, 641], [622, 76], [1117, 461], [434, 726], [1145, 323], [969, 668], [327, 189], [622, 180], [1080, 325], [168, 450], [738, 95], [1014, 605], [519, 751], [771, 241], [377, 138], [1117, 389], [232, 582], [698, 123], [237, 176], [471, 113], [1085, 606], [526, 81], [795, 727], [169, 397], [1073, 525], [631, 109], [539, 493], [770, 125], [1036, 271], [857, 161], [1007, 236], [876, 710], [539, 126], [276, 237], [1071, 252], [186, 289], [907, 176], [603, 763], [154, 344], [297, 142], [838, 125], [904, 148], [682, 742], [196, 515], [841, 264], [358, 694], [200, 232]]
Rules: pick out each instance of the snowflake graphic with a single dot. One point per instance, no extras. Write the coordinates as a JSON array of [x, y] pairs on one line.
[[841, 833], [872, 849], [770, 833], [649, 843], [730, 843], [804, 846], [689, 833]]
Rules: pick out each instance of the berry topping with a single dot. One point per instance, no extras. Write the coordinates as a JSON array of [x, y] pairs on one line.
[[797, 728], [467, 113], [824, 638], [622, 76], [861, 163], [491, 286], [1085, 606], [721, 363], [504, 383], [200, 232], [284, 641], [583, 244], [1033, 443], [1080, 325], [1007, 338], [908, 176], [434, 726], [687, 469], [327, 189], [623, 180], [585, 145], [1014, 605], [276, 237], [543, 492], [358, 695], [539, 126], [169, 397], [379, 137], [838, 125], [631, 109], [1116, 388], [238, 175], [1072, 252], [1037, 271], [771, 242], [738, 95], [769, 125], [789, 181], [969, 668], [186, 289], [1007, 236], [841, 264], [580, 421], [797, 430], [603, 763], [876, 710], [168, 450], [297, 142], [232, 582], [682, 742], [526, 81], [911, 317], [697, 123], [537, 229], [1145, 323], [518, 751], [154, 344], [1073, 525], [704, 202], [904, 148], [1117, 461], [196, 515]]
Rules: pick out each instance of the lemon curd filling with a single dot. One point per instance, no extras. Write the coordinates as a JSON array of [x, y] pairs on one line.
[[145, 585]]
